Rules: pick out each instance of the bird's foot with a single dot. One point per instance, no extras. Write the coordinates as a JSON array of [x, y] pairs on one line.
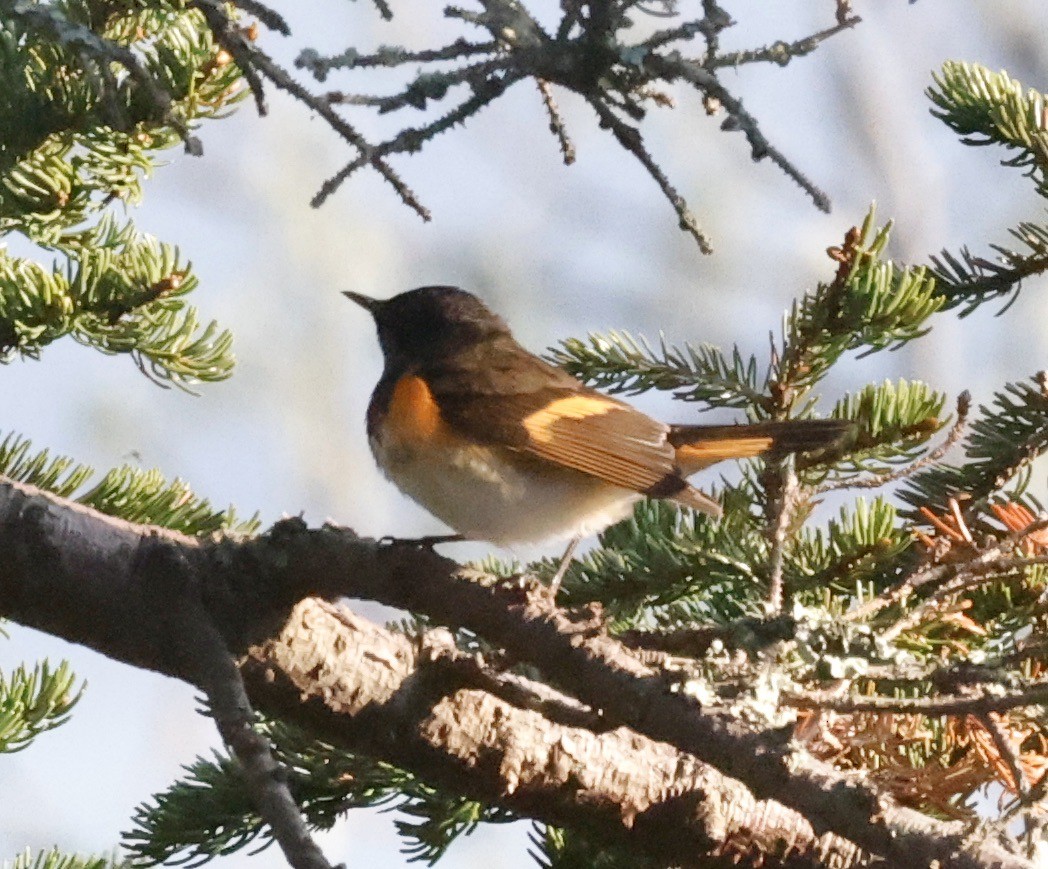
[[427, 542]]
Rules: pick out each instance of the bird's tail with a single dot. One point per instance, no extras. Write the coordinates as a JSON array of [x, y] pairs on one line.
[[699, 446]]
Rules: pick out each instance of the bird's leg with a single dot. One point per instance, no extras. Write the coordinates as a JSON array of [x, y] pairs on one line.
[[562, 568], [427, 542]]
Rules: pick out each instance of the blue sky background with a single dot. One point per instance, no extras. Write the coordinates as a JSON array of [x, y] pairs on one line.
[[559, 251]]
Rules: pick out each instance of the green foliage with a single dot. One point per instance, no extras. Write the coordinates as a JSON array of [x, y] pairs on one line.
[[32, 702], [1003, 442], [893, 422], [618, 362], [965, 281], [860, 548], [130, 493], [209, 814], [557, 848], [55, 859], [90, 96], [991, 108], [60, 475], [120, 292], [668, 567], [872, 305], [91, 93]]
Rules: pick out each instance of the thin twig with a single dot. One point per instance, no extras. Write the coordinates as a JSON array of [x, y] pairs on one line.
[[264, 778], [556, 121], [970, 704], [1007, 751], [266, 14], [926, 574], [674, 65], [780, 483], [781, 52], [278, 76], [238, 47], [751, 634], [630, 139], [412, 138], [423, 89], [319, 66], [962, 579]]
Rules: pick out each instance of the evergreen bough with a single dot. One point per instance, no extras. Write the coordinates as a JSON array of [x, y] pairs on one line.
[[880, 603]]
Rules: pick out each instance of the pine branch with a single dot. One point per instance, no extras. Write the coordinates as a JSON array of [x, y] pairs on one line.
[[55, 859], [1010, 433], [119, 292], [34, 702], [620, 363], [521, 619], [131, 494], [926, 459]]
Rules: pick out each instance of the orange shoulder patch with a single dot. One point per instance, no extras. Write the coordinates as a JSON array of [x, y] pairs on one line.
[[413, 413]]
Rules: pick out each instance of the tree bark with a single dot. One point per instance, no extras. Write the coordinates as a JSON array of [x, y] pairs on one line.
[[136, 593]]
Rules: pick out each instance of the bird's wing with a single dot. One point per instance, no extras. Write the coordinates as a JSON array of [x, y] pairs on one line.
[[532, 407]]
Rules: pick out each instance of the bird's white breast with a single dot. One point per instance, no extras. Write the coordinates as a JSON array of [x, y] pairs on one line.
[[483, 494]]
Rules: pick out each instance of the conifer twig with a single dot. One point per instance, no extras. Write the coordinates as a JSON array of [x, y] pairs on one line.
[[876, 481], [556, 122], [1007, 751], [250, 58], [673, 66], [971, 703], [952, 578], [630, 139], [782, 52], [959, 580], [782, 491]]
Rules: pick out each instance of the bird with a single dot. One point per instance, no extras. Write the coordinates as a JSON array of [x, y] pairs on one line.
[[502, 446]]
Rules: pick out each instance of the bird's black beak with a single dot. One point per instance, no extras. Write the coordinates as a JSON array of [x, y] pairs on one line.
[[366, 302]]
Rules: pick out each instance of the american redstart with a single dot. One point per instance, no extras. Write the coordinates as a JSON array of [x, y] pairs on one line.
[[502, 446]]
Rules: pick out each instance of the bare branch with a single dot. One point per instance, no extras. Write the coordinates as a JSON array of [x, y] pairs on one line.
[[630, 139], [783, 52], [976, 702], [250, 58], [556, 122]]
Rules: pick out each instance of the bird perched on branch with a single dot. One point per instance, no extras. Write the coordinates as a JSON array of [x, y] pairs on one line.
[[502, 446]]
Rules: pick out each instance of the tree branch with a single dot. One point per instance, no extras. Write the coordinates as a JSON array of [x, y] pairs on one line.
[[86, 577], [418, 705]]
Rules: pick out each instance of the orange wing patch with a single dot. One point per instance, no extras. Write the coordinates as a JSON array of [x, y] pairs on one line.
[[540, 424], [601, 437], [413, 413]]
